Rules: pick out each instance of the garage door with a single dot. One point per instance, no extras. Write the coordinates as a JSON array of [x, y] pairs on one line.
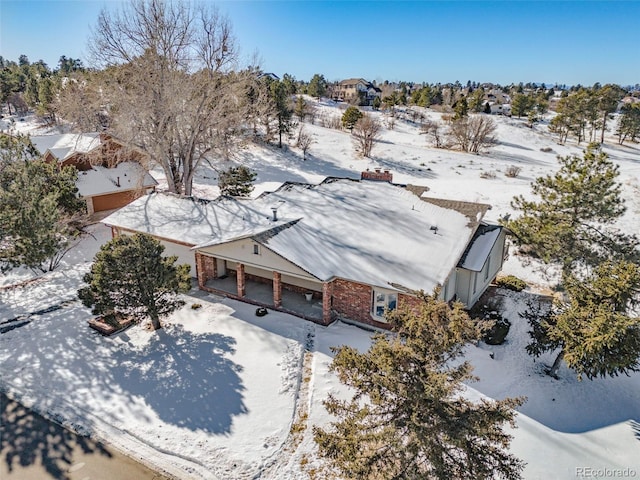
[[112, 201]]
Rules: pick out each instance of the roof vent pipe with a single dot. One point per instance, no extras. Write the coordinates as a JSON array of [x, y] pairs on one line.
[[275, 213]]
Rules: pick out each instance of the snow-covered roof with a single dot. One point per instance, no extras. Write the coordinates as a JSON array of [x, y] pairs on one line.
[[480, 247], [63, 145], [191, 220], [121, 178], [369, 232]]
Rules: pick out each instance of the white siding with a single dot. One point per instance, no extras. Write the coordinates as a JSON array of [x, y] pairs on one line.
[[184, 253], [465, 278], [300, 282], [242, 251]]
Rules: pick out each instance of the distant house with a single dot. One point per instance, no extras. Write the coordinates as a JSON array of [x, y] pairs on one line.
[[270, 75], [500, 108], [347, 249], [109, 173], [628, 100], [354, 89]]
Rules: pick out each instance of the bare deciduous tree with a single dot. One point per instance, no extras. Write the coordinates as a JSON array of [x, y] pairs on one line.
[[304, 142], [366, 133], [472, 133], [436, 132], [168, 84]]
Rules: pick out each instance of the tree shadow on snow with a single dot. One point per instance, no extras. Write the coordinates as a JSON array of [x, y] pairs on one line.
[[564, 404], [186, 378], [26, 438]]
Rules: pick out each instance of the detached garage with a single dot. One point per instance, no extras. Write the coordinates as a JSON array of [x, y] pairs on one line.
[[110, 188]]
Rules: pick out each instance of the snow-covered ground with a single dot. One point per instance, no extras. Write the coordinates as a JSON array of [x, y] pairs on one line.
[[217, 392]]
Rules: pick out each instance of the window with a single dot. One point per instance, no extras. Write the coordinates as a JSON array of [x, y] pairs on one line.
[[256, 249], [383, 302]]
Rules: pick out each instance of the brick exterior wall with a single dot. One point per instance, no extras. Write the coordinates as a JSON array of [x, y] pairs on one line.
[[327, 302], [206, 268], [377, 175], [409, 302], [352, 301]]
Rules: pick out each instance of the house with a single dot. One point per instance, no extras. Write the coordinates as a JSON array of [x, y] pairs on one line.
[[500, 108], [269, 75], [109, 173], [356, 89], [347, 249]]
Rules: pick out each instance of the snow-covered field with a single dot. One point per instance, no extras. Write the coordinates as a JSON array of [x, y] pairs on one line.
[[216, 393]]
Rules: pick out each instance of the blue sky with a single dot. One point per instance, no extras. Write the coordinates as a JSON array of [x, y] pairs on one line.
[[554, 42]]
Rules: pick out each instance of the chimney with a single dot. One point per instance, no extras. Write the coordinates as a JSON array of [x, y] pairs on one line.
[[117, 181], [377, 175], [275, 213]]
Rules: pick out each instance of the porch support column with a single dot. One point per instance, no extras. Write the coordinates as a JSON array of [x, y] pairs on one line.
[[214, 267], [327, 293], [240, 280], [277, 289], [205, 268]]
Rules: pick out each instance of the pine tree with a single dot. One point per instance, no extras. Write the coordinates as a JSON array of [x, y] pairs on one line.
[[594, 330], [629, 123], [301, 108], [461, 109], [351, 116], [572, 222], [40, 214], [521, 104], [236, 181], [317, 86], [408, 418], [476, 103], [607, 101], [130, 276], [289, 82], [283, 110]]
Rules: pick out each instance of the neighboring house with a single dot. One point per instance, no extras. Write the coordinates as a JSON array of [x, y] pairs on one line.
[[270, 75], [500, 109], [356, 89], [347, 249], [109, 174], [628, 100]]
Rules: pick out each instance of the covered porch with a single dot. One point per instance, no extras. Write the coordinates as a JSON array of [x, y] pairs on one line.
[[311, 301]]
